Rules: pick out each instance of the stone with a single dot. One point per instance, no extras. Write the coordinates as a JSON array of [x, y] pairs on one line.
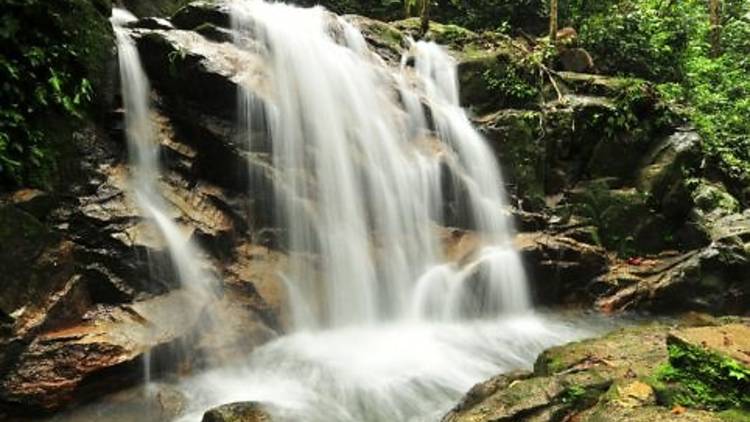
[[713, 279], [560, 268], [56, 367], [576, 60], [730, 340], [197, 13], [609, 378], [237, 412]]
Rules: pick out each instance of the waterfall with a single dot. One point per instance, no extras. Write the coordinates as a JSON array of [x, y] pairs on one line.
[[360, 189], [145, 171], [372, 162]]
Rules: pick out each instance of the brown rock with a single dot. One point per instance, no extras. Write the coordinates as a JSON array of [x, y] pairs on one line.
[[576, 60], [237, 412]]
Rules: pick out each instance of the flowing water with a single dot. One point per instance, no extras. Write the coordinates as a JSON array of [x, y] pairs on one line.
[[361, 174], [145, 171], [372, 161]]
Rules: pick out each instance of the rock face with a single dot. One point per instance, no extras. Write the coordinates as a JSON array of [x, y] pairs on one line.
[[613, 378], [237, 412], [89, 285]]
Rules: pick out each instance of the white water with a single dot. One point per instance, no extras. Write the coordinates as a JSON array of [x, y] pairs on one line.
[[145, 171], [361, 174], [385, 326]]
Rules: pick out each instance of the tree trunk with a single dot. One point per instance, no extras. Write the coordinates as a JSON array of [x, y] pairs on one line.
[[425, 18], [553, 20], [714, 15]]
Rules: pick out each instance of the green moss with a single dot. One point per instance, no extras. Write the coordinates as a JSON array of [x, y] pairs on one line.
[[696, 377], [735, 415], [712, 196]]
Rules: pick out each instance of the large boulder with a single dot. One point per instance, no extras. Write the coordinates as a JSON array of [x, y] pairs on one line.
[[561, 268], [57, 366], [237, 412], [612, 378]]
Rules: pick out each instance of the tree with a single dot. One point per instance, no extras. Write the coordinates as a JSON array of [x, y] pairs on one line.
[[553, 20], [424, 17], [714, 15], [424, 13]]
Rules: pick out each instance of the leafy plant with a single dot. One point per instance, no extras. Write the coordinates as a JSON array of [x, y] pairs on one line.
[[696, 377], [48, 52]]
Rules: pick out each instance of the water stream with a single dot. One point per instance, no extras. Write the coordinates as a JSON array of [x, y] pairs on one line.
[[145, 171]]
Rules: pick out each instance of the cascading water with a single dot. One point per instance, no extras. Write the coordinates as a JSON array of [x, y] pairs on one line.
[[143, 153], [360, 180], [385, 327]]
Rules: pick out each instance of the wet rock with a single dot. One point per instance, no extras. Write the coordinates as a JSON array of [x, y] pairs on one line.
[[201, 12], [560, 267], [151, 23], [213, 70], [214, 33], [388, 41], [237, 412], [602, 379], [55, 367], [711, 279]]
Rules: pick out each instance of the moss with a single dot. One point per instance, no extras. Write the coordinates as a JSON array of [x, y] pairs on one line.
[[497, 80], [709, 197], [697, 377], [735, 415]]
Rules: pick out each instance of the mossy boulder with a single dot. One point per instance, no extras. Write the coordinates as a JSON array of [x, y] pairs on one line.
[[515, 135], [610, 378], [197, 13], [709, 368], [497, 79]]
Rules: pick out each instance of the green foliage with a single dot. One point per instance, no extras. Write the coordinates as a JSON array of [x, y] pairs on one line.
[[573, 394], [49, 54], [643, 38], [510, 84], [668, 42], [717, 91], [695, 377]]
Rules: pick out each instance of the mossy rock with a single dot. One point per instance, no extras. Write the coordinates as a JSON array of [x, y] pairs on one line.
[[605, 379], [497, 79], [708, 368], [625, 221], [198, 13], [515, 135], [713, 197]]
